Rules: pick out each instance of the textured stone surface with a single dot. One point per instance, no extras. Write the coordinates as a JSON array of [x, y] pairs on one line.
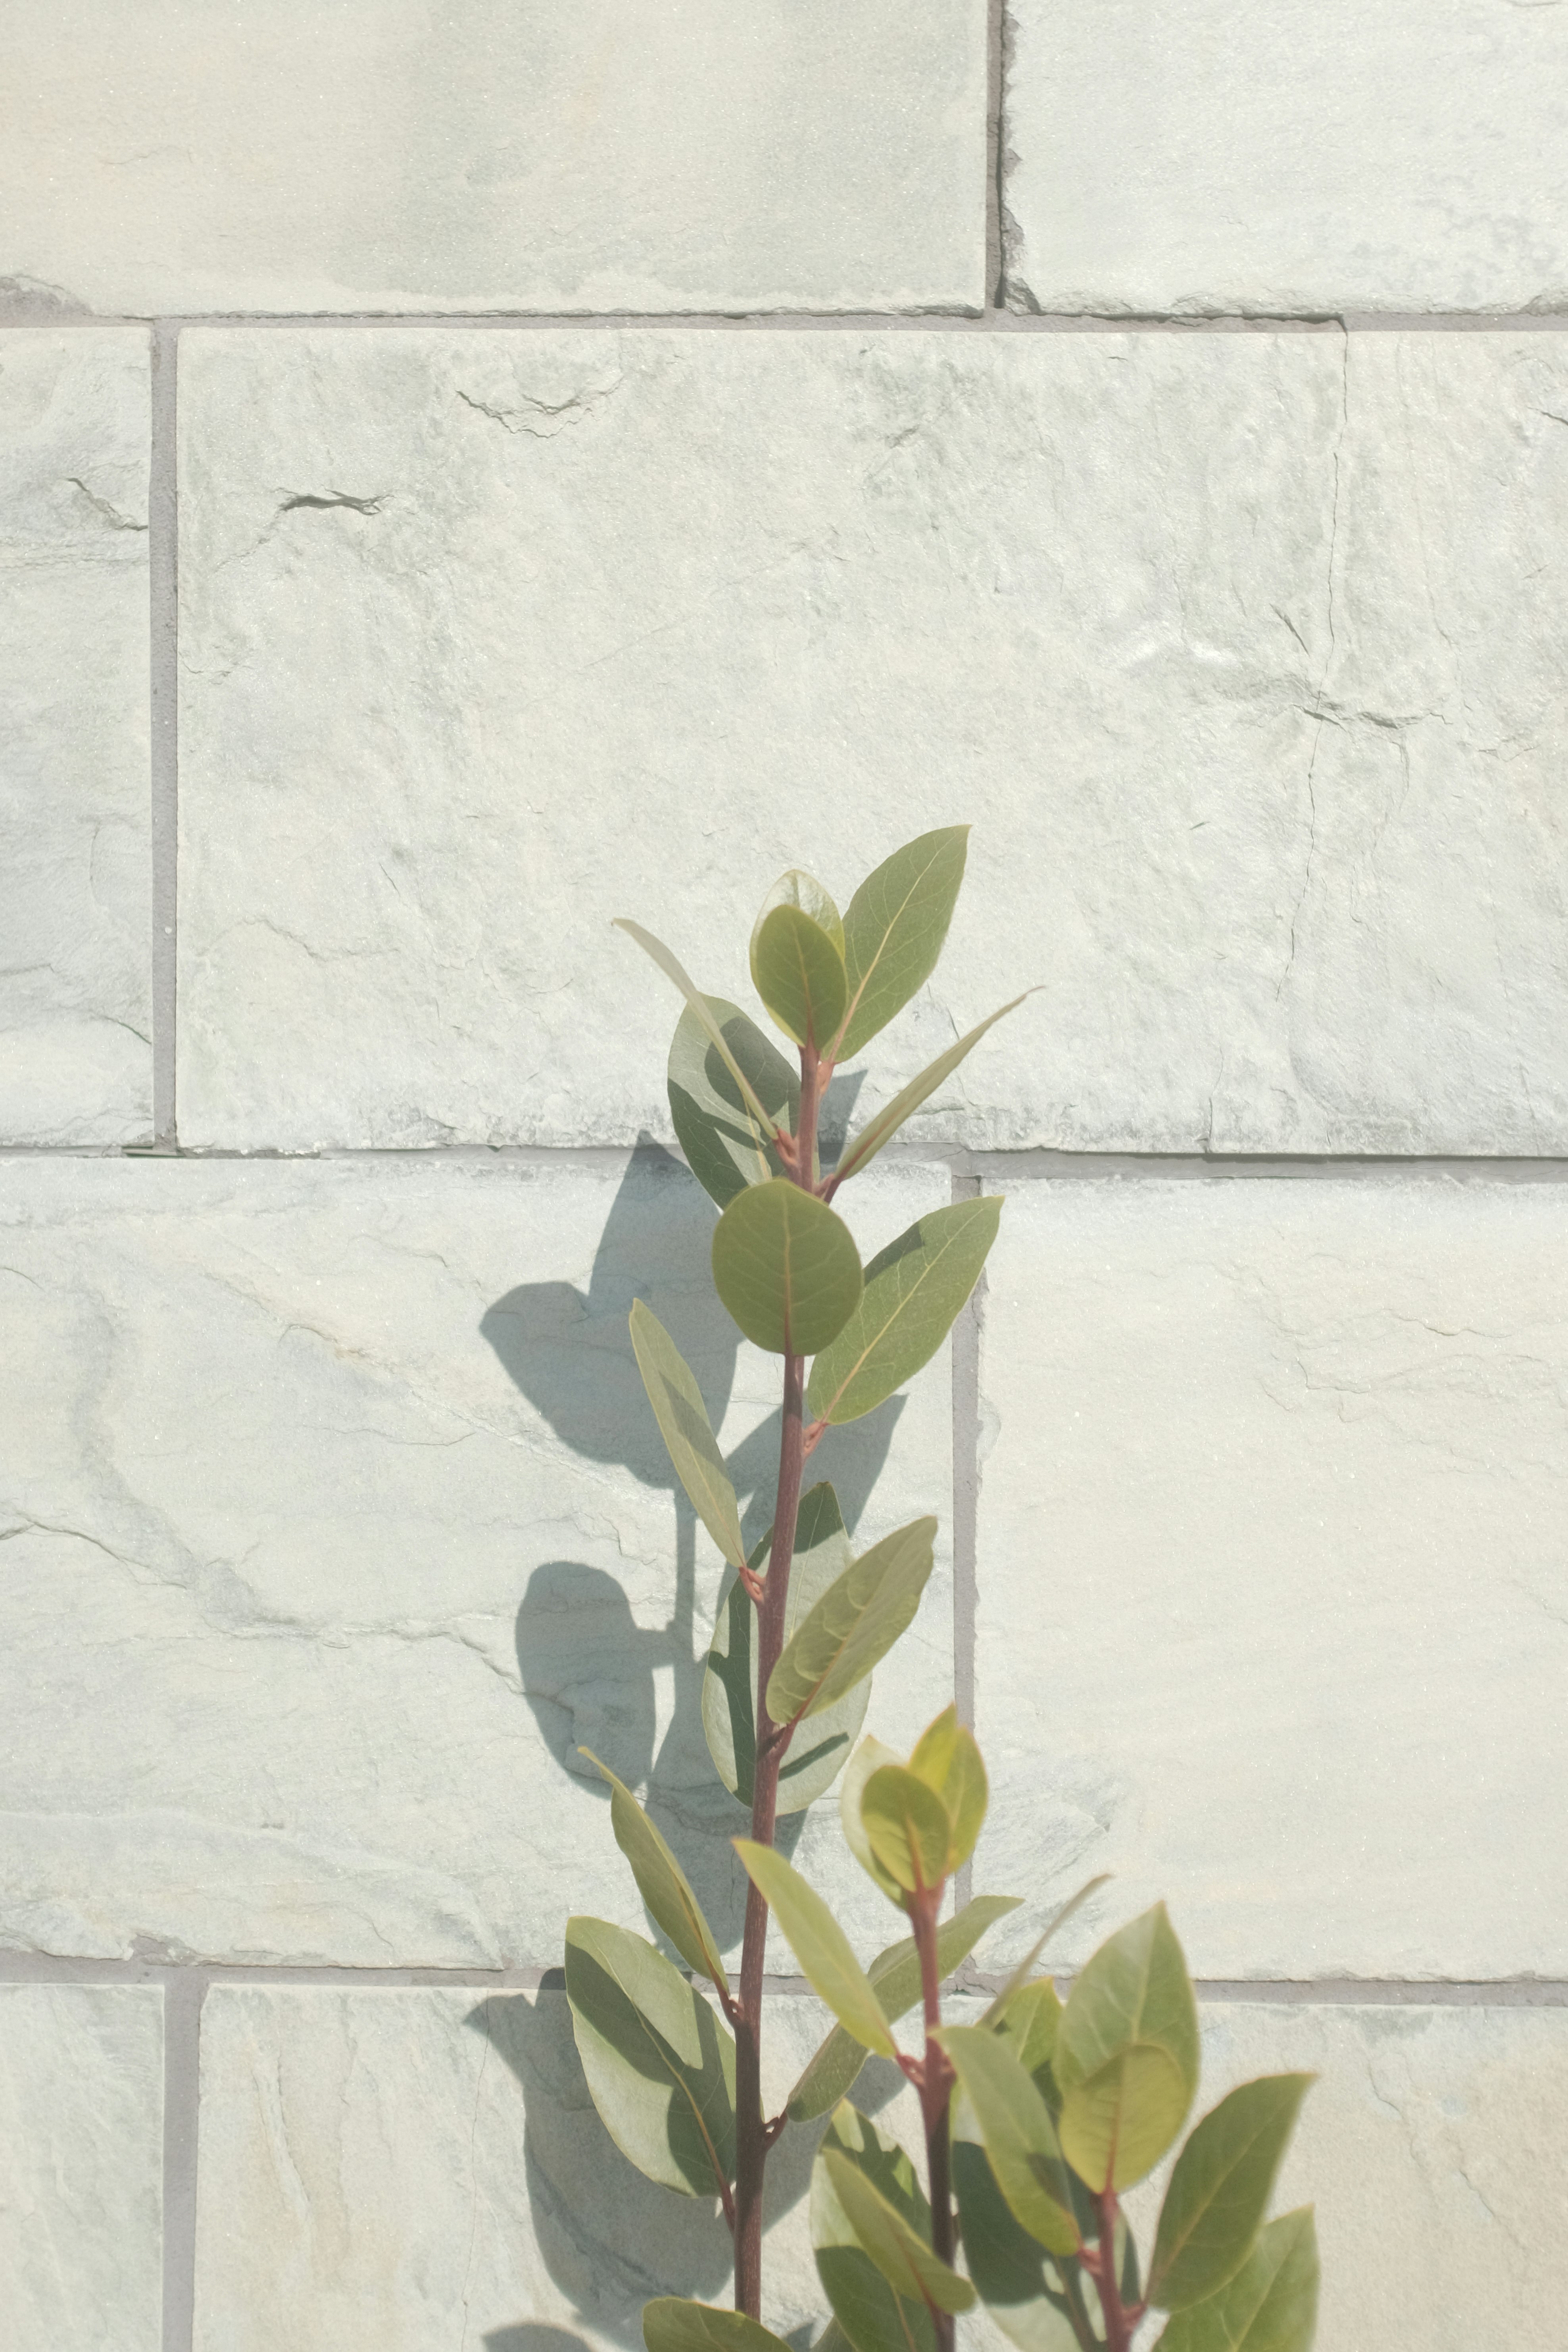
[[82, 2102], [1242, 653], [76, 1060], [574, 154], [343, 1481], [1211, 156], [1273, 1614]]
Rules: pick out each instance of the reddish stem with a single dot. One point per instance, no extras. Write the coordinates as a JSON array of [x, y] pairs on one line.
[[1119, 2322], [935, 2084]]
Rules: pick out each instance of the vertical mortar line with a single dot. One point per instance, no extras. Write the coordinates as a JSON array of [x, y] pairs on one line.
[[994, 154], [965, 1490], [184, 1992], [164, 649]]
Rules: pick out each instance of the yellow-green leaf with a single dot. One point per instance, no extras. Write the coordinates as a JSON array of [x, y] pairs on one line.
[[853, 1623], [1135, 1989], [1118, 2122], [908, 1828], [797, 961], [687, 1432], [669, 2323], [1220, 2189], [1017, 2132], [948, 1760], [712, 1126], [894, 928], [660, 2064], [661, 1882], [786, 1268], [905, 2260], [673, 969], [869, 1758], [1271, 2303], [819, 1944], [863, 1147], [1029, 2021], [914, 1290], [872, 2316]]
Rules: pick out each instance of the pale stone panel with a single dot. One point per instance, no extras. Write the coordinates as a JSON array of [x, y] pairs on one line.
[[82, 2104], [76, 1056], [1242, 652], [1273, 1607], [582, 155], [1211, 156], [342, 1479]]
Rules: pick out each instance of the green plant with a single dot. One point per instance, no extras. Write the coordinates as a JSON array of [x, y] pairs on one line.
[[1037, 2116]]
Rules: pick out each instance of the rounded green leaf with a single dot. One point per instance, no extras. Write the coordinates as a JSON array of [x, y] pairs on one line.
[[914, 1290], [873, 2315], [894, 928], [1018, 2133], [669, 2323], [712, 1125], [904, 2258], [819, 1944], [1220, 2189], [660, 2064], [869, 1758], [1135, 1989], [1118, 2122], [908, 1828], [661, 1882], [863, 1148], [799, 974], [687, 1432], [853, 1625], [948, 1760], [1271, 2303], [786, 1268]]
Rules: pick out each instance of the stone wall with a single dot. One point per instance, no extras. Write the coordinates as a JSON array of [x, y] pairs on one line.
[[467, 474]]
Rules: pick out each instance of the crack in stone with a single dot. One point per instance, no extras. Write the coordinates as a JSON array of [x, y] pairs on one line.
[[112, 514], [561, 413]]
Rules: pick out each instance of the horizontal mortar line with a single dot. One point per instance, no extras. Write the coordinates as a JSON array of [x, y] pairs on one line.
[[938, 322]]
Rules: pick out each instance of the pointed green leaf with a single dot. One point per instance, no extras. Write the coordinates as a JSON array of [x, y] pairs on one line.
[[659, 2063], [907, 1827], [873, 2318], [673, 969], [854, 1625], [711, 1123], [913, 1292], [948, 1760], [687, 1432], [869, 1758], [905, 2261], [895, 1978], [1135, 1989], [893, 929], [797, 961], [661, 1882], [819, 1752], [1220, 2189], [863, 1147], [1017, 2132], [669, 2323], [1031, 2296], [1271, 2303], [785, 1267], [1028, 2022], [819, 1944], [1117, 2124]]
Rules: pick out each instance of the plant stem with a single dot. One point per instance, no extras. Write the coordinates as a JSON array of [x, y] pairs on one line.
[[1119, 2322], [936, 2096]]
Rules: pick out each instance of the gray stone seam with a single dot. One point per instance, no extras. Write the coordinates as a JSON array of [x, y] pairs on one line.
[[990, 321], [964, 1376], [164, 557], [185, 1991], [996, 153]]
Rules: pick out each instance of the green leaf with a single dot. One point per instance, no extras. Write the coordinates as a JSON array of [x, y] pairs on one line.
[[908, 1828], [1220, 2189], [661, 1882], [819, 1944], [866, 2306], [853, 1624], [1135, 1989], [1117, 2124], [814, 1758], [948, 1760], [1271, 2303], [1029, 2021], [905, 2260], [894, 928], [797, 961], [711, 1123], [687, 1432], [869, 1758], [785, 1267], [669, 2323], [864, 1147], [1017, 2132], [1031, 2296], [913, 1292], [660, 2064], [895, 1978], [673, 969]]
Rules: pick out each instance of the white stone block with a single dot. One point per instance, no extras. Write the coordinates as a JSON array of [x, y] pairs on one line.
[[1211, 157], [1272, 1599], [335, 1515], [76, 1056], [581, 155], [1242, 654], [81, 2168]]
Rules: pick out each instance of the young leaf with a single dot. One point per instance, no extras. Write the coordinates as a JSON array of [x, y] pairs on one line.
[[669, 2323], [820, 1944], [895, 1978], [1117, 2124], [864, 1147], [814, 1756], [797, 887], [1271, 2303], [786, 1268], [660, 2064], [1220, 2189], [871, 2315], [674, 970], [712, 1126], [948, 1760], [869, 1758], [1135, 1989], [853, 1625], [1029, 2021], [907, 1827], [661, 1882], [894, 928], [905, 2261], [798, 971], [913, 1292], [1018, 2135], [687, 1432]]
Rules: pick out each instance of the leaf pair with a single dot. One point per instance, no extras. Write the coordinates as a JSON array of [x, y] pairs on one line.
[[911, 1825]]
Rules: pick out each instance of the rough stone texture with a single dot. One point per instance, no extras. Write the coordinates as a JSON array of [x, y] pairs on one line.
[[342, 1479], [572, 155], [1301, 156], [1241, 651], [75, 1057], [1273, 1615], [82, 2099]]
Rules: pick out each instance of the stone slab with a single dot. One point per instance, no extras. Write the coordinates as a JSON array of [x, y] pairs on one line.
[[1211, 157], [342, 1477], [1273, 1598], [1241, 653], [81, 2166], [383, 155], [76, 1055]]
